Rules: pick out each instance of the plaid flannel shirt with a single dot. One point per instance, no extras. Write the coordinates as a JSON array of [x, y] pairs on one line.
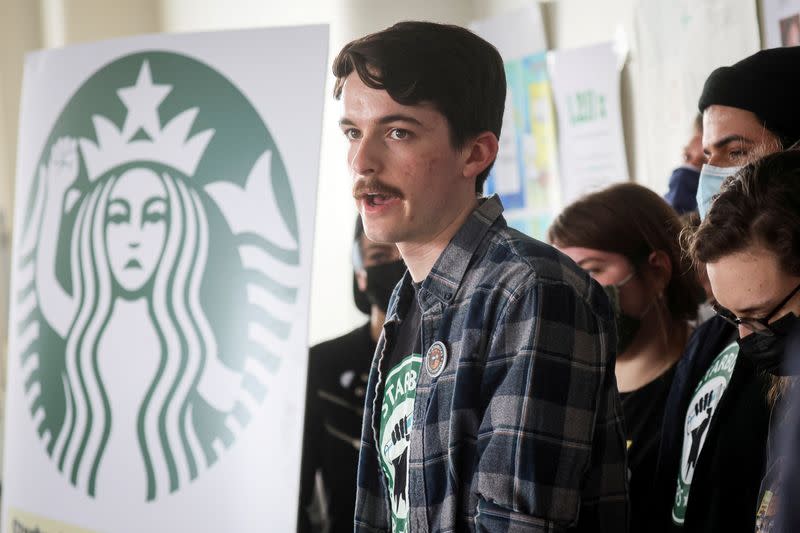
[[522, 431]]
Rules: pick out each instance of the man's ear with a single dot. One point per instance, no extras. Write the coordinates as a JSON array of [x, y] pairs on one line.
[[479, 152]]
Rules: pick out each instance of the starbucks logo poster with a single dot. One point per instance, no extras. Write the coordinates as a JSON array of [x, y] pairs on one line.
[[159, 304]]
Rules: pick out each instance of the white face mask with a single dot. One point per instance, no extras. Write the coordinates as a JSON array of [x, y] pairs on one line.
[[708, 186]]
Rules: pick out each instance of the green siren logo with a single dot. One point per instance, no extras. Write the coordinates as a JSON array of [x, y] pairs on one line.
[[158, 275]]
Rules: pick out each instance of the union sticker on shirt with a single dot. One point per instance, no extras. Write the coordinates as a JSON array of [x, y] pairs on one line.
[[397, 420], [436, 359]]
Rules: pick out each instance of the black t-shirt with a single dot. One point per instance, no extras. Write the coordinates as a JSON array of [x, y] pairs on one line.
[[337, 379], [644, 411], [409, 336], [728, 468], [397, 395]]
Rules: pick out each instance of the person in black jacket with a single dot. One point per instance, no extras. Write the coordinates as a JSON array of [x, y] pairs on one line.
[[750, 243], [726, 469], [337, 378], [714, 436]]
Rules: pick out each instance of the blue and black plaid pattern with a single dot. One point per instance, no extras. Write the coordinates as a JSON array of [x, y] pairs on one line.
[[522, 431]]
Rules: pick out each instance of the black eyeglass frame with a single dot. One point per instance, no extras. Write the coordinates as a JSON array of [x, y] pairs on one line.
[[759, 326]]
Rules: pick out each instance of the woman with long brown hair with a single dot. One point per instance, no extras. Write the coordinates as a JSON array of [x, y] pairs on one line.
[[627, 238]]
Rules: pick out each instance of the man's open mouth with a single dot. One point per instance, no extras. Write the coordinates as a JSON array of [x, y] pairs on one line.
[[374, 200], [133, 263]]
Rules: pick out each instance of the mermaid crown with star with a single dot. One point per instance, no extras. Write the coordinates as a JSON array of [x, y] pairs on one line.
[[142, 138]]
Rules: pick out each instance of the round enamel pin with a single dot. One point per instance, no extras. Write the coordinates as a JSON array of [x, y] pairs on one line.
[[436, 359]]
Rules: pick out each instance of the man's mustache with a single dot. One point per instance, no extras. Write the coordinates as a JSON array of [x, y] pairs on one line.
[[373, 186]]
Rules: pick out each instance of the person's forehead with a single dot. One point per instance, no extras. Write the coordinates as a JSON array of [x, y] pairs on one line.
[[361, 103], [745, 279], [721, 121]]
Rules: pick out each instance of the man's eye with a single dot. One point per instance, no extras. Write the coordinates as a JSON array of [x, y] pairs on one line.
[[737, 154], [352, 134], [399, 134]]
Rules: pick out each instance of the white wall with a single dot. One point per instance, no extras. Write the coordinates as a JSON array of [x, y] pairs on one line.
[[19, 32]]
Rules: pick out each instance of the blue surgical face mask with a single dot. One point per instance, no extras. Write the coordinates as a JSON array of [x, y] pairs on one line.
[[708, 186]]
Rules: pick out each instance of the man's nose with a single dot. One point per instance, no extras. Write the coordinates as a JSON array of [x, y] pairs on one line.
[[365, 156]]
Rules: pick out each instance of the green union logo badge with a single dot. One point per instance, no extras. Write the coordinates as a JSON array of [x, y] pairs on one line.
[[158, 272]]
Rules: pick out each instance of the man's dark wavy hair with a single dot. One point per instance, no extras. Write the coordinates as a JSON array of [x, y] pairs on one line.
[[450, 67]]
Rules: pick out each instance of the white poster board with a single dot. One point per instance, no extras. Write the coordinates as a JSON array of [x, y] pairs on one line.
[[165, 205], [525, 173], [678, 44], [586, 83], [781, 22]]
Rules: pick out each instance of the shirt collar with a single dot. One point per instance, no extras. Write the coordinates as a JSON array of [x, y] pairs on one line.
[[445, 277], [447, 273]]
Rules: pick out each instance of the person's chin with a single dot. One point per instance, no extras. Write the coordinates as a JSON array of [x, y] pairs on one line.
[[384, 231]]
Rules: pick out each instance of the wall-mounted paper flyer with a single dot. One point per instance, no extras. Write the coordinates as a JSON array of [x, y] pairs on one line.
[[590, 138]]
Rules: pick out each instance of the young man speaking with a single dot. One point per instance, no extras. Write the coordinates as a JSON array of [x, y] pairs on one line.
[[492, 403]]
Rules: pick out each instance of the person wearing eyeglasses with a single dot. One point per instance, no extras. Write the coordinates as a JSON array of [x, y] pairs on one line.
[[712, 454], [713, 440], [750, 244]]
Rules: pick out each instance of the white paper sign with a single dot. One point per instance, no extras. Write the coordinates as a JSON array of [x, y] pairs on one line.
[[165, 206], [590, 138]]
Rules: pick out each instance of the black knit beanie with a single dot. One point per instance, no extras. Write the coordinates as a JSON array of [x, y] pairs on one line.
[[767, 83]]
